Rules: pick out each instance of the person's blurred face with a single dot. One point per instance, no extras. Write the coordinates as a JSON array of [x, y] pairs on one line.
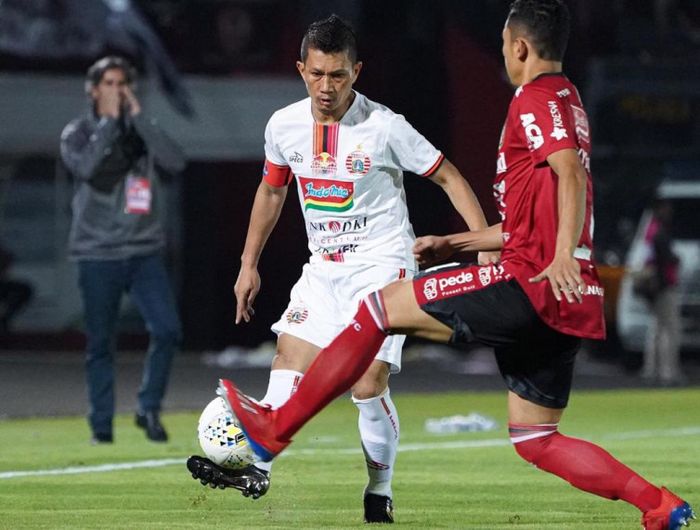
[[329, 78], [110, 87]]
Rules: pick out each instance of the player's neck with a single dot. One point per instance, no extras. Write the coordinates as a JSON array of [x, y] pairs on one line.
[[535, 69]]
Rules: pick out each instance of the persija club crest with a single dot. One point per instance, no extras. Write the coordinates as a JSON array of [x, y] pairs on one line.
[[357, 163], [324, 164], [297, 315]]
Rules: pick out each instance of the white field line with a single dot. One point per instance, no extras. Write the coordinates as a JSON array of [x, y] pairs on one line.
[[430, 446]]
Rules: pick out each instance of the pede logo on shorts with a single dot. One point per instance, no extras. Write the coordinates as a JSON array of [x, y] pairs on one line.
[[297, 315], [456, 281]]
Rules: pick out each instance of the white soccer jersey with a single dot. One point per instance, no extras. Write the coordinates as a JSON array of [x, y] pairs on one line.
[[349, 177]]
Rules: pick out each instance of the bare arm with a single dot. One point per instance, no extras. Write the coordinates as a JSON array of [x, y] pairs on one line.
[[433, 249], [464, 200], [564, 272], [263, 218], [460, 194]]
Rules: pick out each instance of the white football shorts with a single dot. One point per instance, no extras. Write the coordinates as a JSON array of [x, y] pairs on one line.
[[326, 297]]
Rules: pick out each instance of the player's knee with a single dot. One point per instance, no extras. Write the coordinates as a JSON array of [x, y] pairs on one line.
[[286, 360], [531, 441], [369, 387]]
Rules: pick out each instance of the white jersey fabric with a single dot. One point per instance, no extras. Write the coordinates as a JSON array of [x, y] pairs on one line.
[[349, 177]]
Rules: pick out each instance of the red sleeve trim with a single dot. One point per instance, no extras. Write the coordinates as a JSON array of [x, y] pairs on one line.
[[435, 166], [276, 176]]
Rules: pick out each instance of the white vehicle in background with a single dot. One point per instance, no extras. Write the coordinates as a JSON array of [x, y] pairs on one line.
[[633, 314]]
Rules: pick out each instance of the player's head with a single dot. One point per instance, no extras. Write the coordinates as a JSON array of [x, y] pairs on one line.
[[108, 73], [534, 30], [331, 35], [329, 64]]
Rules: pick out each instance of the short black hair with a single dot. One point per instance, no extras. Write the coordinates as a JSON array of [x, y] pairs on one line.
[[331, 35], [97, 71], [546, 23]]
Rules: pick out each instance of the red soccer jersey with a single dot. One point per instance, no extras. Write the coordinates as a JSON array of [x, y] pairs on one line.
[[545, 116]]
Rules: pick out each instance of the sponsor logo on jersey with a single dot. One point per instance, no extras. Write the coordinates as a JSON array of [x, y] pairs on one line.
[[326, 195], [559, 132], [430, 289], [296, 158], [324, 164], [564, 93], [532, 131], [345, 249], [296, 315], [499, 191], [581, 124], [595, 290], [340, 226], [358, 163], [501, 166]]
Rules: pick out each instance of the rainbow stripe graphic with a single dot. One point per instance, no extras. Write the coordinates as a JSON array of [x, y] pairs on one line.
[[326, 195]]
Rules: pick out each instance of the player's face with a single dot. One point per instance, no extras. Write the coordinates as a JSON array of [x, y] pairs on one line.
[[110, 88], [511, 51], [329, 78]]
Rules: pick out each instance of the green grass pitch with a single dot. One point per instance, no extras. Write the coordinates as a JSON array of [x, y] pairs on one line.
[[440, 481]]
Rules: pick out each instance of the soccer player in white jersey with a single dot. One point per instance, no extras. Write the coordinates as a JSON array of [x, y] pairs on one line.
[[347, 155]]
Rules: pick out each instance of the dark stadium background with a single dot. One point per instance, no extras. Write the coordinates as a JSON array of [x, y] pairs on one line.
[[438, 63]]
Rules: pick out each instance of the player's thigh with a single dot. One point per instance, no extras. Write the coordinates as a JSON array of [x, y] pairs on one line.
[[526, 412], [373, 382], [405, 317], [538, 371], [294, 353]]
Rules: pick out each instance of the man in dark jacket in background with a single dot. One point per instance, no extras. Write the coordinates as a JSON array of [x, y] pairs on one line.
[[113, 154]]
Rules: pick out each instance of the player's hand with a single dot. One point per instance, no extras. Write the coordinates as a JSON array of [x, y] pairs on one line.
[[431, 249], [131, 102], [564, 275], [246, 289], [110, 103], [486, 258]]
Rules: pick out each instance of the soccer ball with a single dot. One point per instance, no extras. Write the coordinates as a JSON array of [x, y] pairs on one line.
[[222, 439]]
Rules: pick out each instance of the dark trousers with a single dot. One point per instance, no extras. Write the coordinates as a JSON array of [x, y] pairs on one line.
[[102, 284]]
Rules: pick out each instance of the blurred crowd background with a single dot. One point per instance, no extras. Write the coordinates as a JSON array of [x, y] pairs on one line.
[[438, 62]]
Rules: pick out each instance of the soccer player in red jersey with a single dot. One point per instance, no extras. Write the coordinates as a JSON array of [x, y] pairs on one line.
[[533, 308]]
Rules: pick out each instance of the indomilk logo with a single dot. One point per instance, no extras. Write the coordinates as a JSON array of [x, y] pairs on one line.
[[326, 195]]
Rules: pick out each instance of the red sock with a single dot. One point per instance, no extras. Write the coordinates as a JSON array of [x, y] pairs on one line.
[[335, 369], [583, 464]]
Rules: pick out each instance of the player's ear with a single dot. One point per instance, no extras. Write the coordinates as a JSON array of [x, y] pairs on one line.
[[356, 70], [522, 49], [301, 68]]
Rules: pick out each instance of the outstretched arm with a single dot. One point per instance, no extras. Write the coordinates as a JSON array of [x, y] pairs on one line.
[[433, 249], [464, 200], [263, 218]]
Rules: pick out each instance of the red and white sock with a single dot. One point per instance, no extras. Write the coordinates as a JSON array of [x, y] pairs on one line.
[[583, 464], [336, 368]]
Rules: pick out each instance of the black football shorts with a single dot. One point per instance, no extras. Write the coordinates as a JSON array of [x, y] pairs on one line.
[[480, 303]]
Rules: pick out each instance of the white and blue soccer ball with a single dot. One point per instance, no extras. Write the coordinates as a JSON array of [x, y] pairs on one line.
[[221, 437]]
